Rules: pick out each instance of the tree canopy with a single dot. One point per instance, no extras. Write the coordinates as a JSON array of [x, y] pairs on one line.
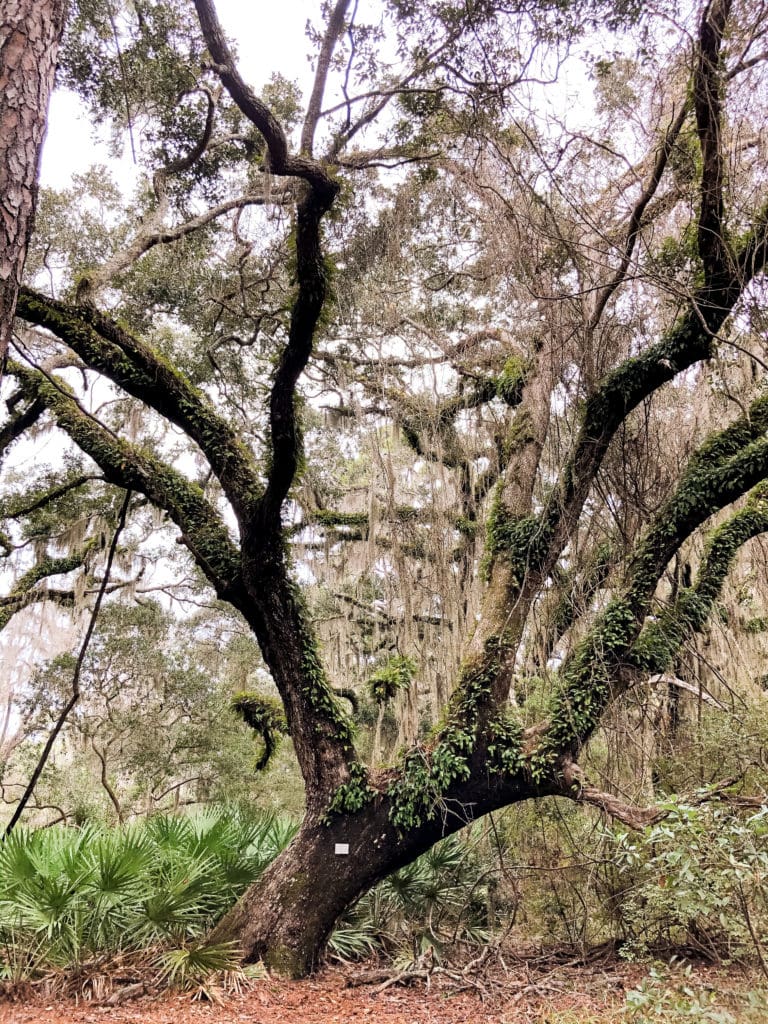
[[450, 387]]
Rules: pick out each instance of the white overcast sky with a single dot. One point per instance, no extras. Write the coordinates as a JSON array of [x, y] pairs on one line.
[[270, 38]]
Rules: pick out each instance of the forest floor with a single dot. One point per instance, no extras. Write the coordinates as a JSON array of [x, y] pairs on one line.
[[528, 991]]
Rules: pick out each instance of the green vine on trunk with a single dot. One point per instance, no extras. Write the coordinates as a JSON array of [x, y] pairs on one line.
[[427, 773], [350, 797], [520, 540]]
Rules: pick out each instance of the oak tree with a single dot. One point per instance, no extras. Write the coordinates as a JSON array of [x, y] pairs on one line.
[[509, 308]]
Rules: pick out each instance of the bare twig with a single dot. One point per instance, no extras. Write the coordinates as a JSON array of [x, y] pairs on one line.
[[43, 759]]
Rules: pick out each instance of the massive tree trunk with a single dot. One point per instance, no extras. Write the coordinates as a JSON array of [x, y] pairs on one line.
[[483, 756], [286, 918], [30, 31]]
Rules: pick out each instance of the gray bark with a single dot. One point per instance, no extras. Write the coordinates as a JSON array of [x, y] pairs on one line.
[[30, 31]]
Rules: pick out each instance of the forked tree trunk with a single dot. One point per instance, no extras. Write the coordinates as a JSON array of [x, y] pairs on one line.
[[30, 31], [286, 917]]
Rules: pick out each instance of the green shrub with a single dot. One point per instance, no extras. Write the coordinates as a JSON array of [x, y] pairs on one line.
[[697, 879], [668, 997], [70, 894]]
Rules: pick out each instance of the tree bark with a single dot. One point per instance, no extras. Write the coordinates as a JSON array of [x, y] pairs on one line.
[[286, 917], [30, 32]]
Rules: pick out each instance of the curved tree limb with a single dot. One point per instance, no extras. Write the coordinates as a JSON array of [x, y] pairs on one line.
[[593, 676], [156, 233], [19, 424], [129, 467], [280, 160], [23, 594], [107, 347], [31, 503]]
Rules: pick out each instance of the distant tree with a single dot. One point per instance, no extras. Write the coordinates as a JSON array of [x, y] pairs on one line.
[[516, 316], [150, 730]]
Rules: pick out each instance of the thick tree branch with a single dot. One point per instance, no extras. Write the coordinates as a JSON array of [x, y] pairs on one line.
[[707, 86], [661, 640], [129, 467], [18, 424], [270, 603], [594, 675], [280, 160], [577, 787], [285, 433], [333, 31], [23, 593], [105, 346]]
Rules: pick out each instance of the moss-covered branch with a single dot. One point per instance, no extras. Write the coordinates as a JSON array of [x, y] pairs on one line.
[[20, 506], [431, 431], [589, 677], [311, 271], [133, 468], [266, 717], [661, 641], [737, 462], [24, 593], [133, 365], [255, 580], [285, 428], [19, 424]]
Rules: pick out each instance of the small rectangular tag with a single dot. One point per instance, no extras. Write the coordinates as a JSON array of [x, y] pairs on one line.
[[342, 849]]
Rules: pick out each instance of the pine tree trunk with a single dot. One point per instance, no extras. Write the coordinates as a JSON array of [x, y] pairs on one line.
[[30, 31]]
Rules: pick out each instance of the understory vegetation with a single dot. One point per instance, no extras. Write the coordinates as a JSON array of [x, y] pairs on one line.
[[77, 901], [71, 898]]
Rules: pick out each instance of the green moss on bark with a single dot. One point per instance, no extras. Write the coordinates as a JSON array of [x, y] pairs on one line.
[[521, 541], [427, 773], [351, 796]]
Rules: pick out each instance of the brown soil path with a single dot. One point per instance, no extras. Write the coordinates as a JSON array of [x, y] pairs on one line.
[[325, 999]]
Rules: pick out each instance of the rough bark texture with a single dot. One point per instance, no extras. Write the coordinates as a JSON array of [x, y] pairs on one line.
[[30, 31], [286, 918]]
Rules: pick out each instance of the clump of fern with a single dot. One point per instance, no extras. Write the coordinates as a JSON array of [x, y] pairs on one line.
[[74, 896]]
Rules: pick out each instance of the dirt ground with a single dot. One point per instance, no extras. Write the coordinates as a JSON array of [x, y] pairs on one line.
[[523, 997], [525, 992]]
